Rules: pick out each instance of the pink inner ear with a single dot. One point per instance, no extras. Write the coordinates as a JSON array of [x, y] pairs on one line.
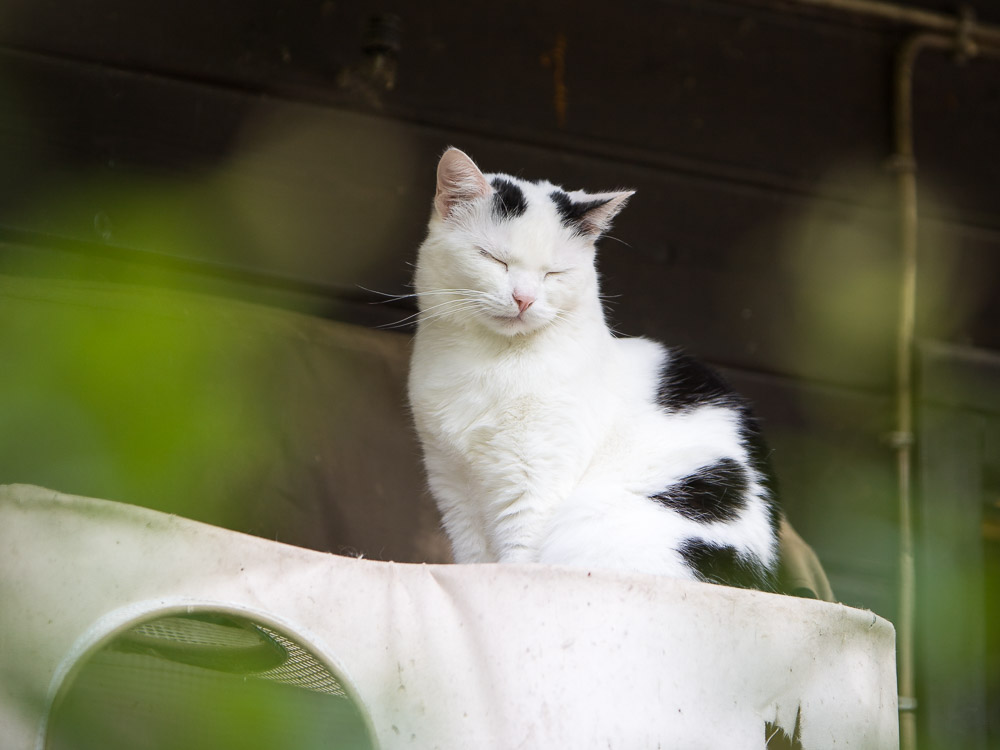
[[458, 181], [598, 219]]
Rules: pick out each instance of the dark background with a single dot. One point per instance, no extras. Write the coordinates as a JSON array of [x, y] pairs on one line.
[[256, 150]]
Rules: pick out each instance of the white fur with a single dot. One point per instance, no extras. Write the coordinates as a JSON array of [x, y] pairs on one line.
[[541, 437]]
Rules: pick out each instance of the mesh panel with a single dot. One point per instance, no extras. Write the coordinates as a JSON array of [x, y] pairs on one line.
[[194, 632], [301, 669], [237, 644], [205, 682]]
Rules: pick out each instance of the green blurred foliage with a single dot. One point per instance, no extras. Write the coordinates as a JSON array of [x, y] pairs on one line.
[[135, 400], [843, 270], [130, 388]]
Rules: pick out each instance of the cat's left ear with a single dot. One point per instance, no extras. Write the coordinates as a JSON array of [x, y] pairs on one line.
[[600, 209], [458, 181]]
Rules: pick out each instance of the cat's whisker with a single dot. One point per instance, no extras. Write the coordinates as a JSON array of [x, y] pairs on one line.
[[460, 292], [563, 315], [388, 297], [451, 302], [616, 239], [400, 323], [393, 326], [407, 320], [448, 307], [417, 295], [453, 306]]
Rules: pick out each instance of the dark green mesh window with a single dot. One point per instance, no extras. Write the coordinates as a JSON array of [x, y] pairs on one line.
[[204, 681]]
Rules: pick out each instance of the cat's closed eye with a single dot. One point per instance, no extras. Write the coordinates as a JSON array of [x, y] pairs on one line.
[[487, 254]]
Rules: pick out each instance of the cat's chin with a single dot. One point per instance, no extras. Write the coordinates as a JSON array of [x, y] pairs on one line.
[[513, 325]]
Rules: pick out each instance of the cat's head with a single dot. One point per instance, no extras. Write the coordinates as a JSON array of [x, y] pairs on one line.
[[511, 255]]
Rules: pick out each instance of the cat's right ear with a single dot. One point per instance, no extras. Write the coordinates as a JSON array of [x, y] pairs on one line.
[[458, 181]]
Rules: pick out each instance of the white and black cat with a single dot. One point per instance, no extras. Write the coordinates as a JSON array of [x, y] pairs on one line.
[[545, 437]]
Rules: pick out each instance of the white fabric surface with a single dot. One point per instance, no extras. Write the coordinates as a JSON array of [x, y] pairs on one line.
[[450, 656]]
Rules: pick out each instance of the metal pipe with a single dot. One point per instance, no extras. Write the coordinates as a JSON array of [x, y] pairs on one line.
[[904, 162], [905, 165], [908, 16]]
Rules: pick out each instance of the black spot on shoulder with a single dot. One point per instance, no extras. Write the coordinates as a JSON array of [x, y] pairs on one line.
[[713, 493], [686, 383], [508, 199], [572, 212], [726, 565]]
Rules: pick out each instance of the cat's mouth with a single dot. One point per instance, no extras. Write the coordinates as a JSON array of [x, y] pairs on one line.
[[514, 323], [511, 320]]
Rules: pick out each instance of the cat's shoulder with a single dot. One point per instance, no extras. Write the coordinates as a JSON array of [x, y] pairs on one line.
[[681, 380], [687, 382], [639, 349]]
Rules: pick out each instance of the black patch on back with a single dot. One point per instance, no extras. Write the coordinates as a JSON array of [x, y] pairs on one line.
[[508, 199], [571, 212], [752, 438], [713, 493], [687, 383], [725, 565]]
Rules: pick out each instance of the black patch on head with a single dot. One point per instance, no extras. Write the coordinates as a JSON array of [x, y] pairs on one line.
[[713, 493], [508, 199], [572, 212], [687, 383], [726, 565]]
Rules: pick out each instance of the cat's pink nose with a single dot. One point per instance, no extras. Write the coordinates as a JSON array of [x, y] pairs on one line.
[[524, 301]]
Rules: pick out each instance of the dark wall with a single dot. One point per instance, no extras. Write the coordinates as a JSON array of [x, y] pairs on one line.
[[757, 140], [255, 149]]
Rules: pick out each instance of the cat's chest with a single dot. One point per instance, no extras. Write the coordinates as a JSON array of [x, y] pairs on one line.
[[482, 405]]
